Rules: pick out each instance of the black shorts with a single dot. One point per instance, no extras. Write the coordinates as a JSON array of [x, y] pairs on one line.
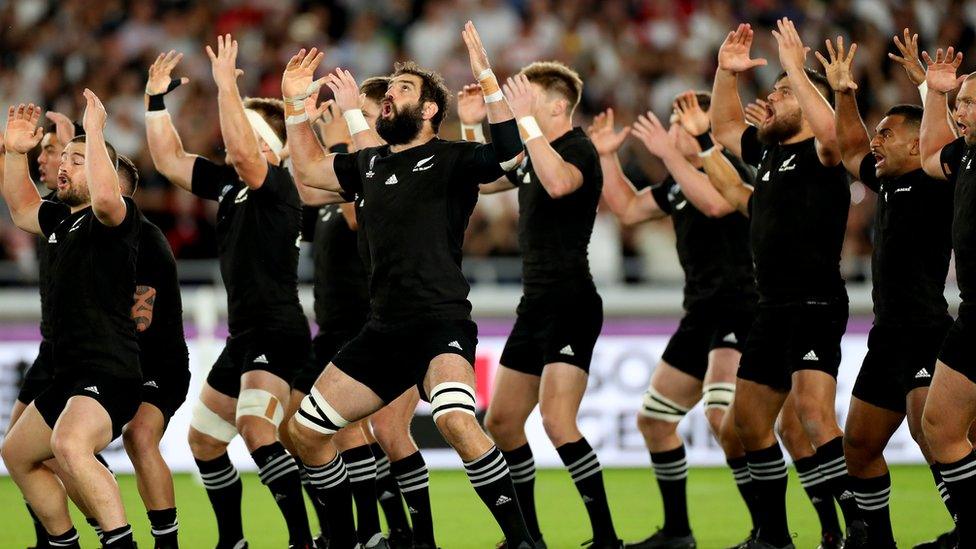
[[704, 329], [899, 360], [325, 346], [554, 328], [39, 375], [959, 349], [165, 385], [390, 360], [788, 338], [119, 396], [279, 353]]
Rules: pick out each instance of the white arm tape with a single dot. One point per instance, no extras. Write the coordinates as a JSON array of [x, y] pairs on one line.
[[209, 423], [355, 121], [473, 132], [156, 114], [510, 164], [264, 130], [260, 403], [495, 97], [923, 90], [530, 127], [487, 73], [294, 119]]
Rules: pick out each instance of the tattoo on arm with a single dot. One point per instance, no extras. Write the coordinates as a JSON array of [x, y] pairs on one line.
[[142, 309]]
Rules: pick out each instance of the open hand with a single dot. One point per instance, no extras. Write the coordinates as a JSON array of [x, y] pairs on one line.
[[605, 138], [941, 73], [95, 116], [909, 57], [345, 89], [733, 55], [160, 79], [471, 105], [223, 64], [64, 128], [792, 52], [476, 50], [297, 80], [22, 133], [690, 114], [520, 95], [838, 67], [651, 132]]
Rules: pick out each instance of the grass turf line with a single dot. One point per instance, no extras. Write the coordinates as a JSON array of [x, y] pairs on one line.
[[718, 516]]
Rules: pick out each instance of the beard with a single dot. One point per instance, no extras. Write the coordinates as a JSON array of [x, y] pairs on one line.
[[970, 137], [783, 128], [73, 196], [403, 127]]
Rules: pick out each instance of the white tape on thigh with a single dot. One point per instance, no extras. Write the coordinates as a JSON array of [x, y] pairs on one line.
[[657, 406], [260, 403], [452, 397], [318, 415], [718, 395], [209, 423]]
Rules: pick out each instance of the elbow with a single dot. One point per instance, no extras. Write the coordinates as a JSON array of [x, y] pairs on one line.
[[719, 209], [557, 192]]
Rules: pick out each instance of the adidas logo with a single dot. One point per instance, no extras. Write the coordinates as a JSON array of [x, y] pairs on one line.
[[730, 338], [423, 165], [385, 495], [261, 359], [455, 344], [411, 510], [567, 350], [392, 180], [587, 499], [53, 239], [279, 497], [811, 356], [815, 500], [923, 373], [846, 495], [150, 383], [502, 500], [765, 176], [92, 389]]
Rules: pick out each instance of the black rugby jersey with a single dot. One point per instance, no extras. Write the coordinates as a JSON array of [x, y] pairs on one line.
[[413, 208], [798, 215], [340, 282], [554, 233], [714, 252], [258, 234], [162, 345], [912, 245], [90, 283], [43, 262], [959, 167]]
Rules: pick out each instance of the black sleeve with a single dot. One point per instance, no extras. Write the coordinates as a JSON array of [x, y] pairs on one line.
[[581, 154], [277, 182], [310, 215], [346, 167], [129, 223], [478, 163], [513, 177], [506, 139], [50, 215], [660, 194], [208, 178], [751, 147], [147, 264], [951, 158], [867, 175]]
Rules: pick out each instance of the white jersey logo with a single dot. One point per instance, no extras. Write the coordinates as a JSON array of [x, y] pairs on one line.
[[788, 164], [923, 373], [567, 350], [261, 359], [765, 176], [241, 196], [903, 189], [370, 173], [455, 344], [423, 164], [92, 389], [53, 239], [730, 338], [325, 213], [76, 224], [392, 180], [681, 205], [811, 356], [150, 383]]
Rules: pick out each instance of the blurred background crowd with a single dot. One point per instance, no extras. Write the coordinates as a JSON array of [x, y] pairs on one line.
[[633, 55]]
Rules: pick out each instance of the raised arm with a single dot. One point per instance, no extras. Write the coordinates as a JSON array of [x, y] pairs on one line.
[[852, 136], [350, 102], [165, 146], [815, 107], [332, 131], [726, 180], [243, 148], [697, 189], [22, 135], [310, 162], [100, 171], [936, 131], [629, 205], [727, 116], [472, 111]]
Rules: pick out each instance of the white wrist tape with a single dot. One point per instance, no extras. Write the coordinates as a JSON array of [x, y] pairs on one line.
[[264, 130], [495, 97], [529, 128], [472, 132], [155, 114], [487, 73], [355, 121], [709, 152], [294, 119], [923, 90]]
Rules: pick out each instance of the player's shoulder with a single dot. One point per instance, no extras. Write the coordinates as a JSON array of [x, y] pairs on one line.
[[574, 139]]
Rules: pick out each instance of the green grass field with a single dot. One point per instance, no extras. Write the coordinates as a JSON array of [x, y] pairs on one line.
[[718, 517]]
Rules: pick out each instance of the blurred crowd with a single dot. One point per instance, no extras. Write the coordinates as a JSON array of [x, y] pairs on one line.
[[633, 55]]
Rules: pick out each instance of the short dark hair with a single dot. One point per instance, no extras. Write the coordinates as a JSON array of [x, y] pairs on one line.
[[112, 155], [819, 81], [911, 113], [556, 77], [272, 111], [375, 88], [432, 88], [128, 174]]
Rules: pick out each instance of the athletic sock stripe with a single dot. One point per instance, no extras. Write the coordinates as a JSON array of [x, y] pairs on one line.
[[221, 485], [117, 537], [224, 475], [361, 463], [673, 466], [414, 481], [413, 475], [525, 465], [267, 472], [583, 461], [768, 465], [277, 460], [273, 477], [831, 469], [218, 474], [168, 529], [958, 477], [483, 474], [498, 476], [833, 462], [959, 469], [413, 487], [489, 464], [581, 467]]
